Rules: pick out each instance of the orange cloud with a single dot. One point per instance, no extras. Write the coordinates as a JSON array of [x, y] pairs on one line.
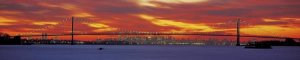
[[100, 27], [184, 26], [155, 3], [292, 20], [77, 12], [45, 23], [83, 14], [298, 19], [271, 20], [183, 16], [178, 1], [6, 21], [63, 6], [9, 12], [270, 30], [281, 19]]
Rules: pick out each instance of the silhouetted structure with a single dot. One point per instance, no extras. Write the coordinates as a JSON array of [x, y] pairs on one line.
[[238, 32], [291, 42], [5, 39], [72, 43], [287, 42], [4, 36], [256, 45]]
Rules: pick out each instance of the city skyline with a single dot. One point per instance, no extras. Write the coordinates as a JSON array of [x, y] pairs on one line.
[[149, 29], [205, 16]]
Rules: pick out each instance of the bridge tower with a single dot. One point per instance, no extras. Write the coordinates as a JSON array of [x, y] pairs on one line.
[[238, 32], [72, 33]]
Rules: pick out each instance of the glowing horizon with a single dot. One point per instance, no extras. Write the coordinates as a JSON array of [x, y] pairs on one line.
[[264, 18]]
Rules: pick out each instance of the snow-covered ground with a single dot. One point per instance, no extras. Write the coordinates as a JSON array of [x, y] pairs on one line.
[[144, 52]]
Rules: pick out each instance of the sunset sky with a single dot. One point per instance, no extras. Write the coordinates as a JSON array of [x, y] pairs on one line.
[[259, 17]]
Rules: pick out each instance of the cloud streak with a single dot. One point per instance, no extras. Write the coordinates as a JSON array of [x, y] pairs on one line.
[[156, 15]]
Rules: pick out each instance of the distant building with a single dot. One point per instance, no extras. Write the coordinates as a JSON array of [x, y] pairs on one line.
[[5, 39], [287, 42]]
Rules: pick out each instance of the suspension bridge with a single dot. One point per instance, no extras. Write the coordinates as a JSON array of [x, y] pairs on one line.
[[72, 34]]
